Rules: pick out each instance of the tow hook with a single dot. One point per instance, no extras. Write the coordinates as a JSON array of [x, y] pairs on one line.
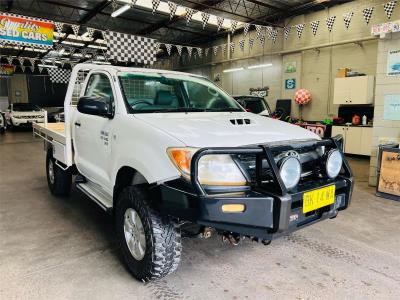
[[207, 233], [232, 238]]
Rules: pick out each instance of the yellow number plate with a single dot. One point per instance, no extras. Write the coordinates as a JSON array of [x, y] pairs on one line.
[[318, 198]]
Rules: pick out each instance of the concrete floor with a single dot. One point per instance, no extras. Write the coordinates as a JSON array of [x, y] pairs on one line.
[[65, 248]]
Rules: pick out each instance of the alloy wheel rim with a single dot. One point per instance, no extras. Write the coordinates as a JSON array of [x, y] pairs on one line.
[[51, 171], [134, 234]]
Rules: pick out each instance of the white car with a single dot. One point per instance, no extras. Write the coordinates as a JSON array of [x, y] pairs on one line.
[[24, 114], [169, 153], [3, 125]]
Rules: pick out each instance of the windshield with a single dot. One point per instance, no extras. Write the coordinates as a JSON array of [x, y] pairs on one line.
[[25, 107], [145, 93]]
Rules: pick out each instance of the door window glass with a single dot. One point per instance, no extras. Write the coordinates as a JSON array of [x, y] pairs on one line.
[[99, 87]]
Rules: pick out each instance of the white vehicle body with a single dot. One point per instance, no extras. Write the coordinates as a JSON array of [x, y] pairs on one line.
[[23, 118], [3, 124], [132, 139]]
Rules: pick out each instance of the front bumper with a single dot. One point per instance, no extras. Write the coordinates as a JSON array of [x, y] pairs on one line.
[[268, 213], [26, 122]]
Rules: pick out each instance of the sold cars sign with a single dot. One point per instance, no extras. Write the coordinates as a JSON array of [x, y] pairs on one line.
[[16, 29]]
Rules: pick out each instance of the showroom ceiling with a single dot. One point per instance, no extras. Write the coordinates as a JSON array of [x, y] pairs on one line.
[[141, 21]]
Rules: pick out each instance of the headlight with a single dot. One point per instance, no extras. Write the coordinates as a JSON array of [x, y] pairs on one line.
[[290, 171], [334, 163], [215, 170]]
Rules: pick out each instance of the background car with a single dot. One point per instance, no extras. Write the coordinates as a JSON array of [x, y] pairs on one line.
[[254, 104], [24, 114], [2, 123]]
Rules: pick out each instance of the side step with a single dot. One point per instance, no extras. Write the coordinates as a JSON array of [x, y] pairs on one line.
[[96, 194]]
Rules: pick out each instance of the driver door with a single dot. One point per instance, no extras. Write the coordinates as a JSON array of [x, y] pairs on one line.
[[92, 134]]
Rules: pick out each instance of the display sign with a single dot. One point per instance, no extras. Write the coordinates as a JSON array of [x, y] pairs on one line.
[[260, 92], [384, 28], [26, 31], [318, 129], [391, 107], [6, 69], [389, 183], [393, 63], [290, 84], [290, 67]]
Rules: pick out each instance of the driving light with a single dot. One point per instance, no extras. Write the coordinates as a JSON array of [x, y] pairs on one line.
[[213, 170], [334, 163], [290, 171]]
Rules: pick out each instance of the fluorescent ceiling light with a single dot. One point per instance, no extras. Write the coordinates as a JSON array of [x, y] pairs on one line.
[[259, 66], [47, 66], [120, 10], [72, 43], [100, 62], [232, 70], [97, 47]]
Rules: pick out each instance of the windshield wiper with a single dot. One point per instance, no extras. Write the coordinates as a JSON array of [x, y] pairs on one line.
[[177, 109], [228, 109]]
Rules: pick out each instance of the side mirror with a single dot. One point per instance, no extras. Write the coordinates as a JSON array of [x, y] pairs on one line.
[[92, 106]]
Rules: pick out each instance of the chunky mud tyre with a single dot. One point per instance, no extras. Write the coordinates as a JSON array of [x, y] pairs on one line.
[[58, 180], [155, 251]]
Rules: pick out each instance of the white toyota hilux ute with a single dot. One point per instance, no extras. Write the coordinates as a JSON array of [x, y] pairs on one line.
[[171, 154]]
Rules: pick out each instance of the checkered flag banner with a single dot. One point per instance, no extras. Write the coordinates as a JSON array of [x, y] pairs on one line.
[[204, 18], [367, 13], [59, 26], [90, 32], [274, 35], [234, 24], [286, 32], [206, 51], [189, 14], [215, 50], [59, 75], [169, 48], [314, 27], [232, 47], [251, 43], [179, 49], [189, 50], [389, 7], [258, 31], [126, 47], [299, 29], [246, 28], [220, 21], [329, 22], [223, 47], [154, 5], [241, 44], [75, 29], [199, 52], [172, 9], [262, 40], [347, 19]]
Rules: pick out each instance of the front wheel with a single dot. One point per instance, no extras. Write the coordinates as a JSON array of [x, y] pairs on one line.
[[58, 180], [150, 243]]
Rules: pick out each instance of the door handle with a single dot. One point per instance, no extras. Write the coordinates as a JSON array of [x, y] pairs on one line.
[[77, 124]]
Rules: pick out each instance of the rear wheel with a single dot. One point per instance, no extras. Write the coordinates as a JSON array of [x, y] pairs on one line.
[[58, 180], [150, 243]]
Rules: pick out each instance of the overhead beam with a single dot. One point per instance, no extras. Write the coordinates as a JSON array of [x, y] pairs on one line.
[[266, 5], [92, 13]]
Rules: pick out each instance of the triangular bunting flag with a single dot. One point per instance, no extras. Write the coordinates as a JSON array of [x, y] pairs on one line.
[[199, 52], [367, 13], [32, 68], [347, 19], [241, 44], [223, 47], [21, 61], [233, 25], [179, 49], [215, 50], [40, 69], [262, 40], [258, 31], [206, 51], [59, 26], [299, 29], [220, 21], [329, 22], [189, 50], [75, 29], [204, 18], [246, 28], [286, 31], [274, 35], [32, 61], [169, 48], [90, 32], [22, 68], [232, 47], [156, 46], [172, 9], [189, 14], [154, 5], [251, 43], [10, 60], [314, 27], [389, 7]]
